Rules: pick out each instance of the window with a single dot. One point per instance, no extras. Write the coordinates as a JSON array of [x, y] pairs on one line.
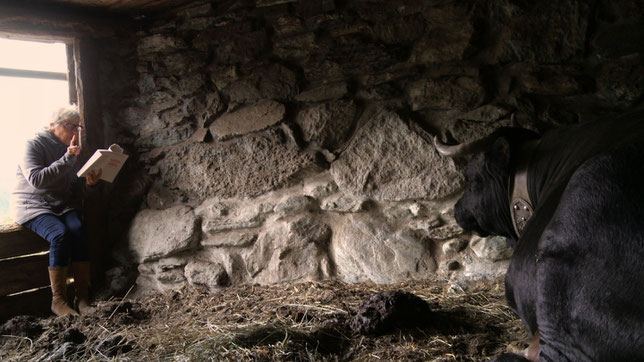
[[33, 84]]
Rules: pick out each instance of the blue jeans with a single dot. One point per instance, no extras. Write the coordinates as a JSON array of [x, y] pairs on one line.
[[66, 236]]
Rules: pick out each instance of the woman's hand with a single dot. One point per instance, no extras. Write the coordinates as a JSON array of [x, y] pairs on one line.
[[73, 149], [93, 177]]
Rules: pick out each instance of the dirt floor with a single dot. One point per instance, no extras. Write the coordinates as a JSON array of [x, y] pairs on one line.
[[416, 320]]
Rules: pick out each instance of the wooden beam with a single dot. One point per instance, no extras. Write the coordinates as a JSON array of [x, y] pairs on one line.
[[71, 74], [134, 5], [29, 21], [89, 103]]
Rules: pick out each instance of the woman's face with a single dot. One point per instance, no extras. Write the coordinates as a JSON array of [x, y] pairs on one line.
[[65, 130]]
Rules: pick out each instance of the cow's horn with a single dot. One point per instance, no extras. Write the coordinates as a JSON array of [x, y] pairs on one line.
[[463, 149], [447, 150]]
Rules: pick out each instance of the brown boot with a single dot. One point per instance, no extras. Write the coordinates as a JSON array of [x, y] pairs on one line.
[[58, 279], [82, 276]]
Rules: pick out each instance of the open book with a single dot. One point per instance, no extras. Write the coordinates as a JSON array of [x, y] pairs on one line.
[[110, 161]]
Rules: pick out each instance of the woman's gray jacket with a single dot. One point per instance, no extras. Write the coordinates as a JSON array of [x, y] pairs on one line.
[[46, 181]]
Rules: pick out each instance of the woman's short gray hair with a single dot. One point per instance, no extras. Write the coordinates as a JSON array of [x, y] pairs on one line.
[[66, 114]]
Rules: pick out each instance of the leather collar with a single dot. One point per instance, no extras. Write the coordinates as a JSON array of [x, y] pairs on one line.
[[521, 207]]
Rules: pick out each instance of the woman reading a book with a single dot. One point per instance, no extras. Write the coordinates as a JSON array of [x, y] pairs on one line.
[[47, 198]]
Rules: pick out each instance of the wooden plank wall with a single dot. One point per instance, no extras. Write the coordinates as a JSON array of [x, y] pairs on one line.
[[24, 280], [16, 240]]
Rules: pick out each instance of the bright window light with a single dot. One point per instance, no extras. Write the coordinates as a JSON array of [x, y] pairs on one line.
[[26, 104], [31, 55]]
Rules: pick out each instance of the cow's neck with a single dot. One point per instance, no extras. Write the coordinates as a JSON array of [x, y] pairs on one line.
[[521, 206]]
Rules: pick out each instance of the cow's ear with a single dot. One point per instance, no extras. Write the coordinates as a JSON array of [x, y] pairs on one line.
[[501, 148]]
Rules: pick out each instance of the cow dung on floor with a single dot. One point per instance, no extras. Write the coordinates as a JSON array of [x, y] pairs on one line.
[[386, 311], [22, 326]]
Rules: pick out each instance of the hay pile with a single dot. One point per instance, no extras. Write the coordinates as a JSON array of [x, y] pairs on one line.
[[308, 321]]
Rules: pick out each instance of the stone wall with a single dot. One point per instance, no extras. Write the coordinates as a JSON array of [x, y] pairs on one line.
[[281, 140]]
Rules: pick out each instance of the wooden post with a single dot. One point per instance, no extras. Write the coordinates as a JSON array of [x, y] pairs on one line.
[[88, 88]]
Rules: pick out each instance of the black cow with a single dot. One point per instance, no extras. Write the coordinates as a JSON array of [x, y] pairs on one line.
[[576, 277]]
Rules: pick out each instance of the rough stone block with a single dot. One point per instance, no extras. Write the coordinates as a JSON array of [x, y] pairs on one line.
[[343, 203], [225, 215], [156, 234], [424, 224], [327, 125], [323, 92], [159, 43], [386, 159], [444, 44], [492, 248], [251, 118], [241, 47], [317, 190], [365, 249], [462, 93], [622, 81], [295, 205], [292, 251], [445, 232], [295, 47], [211, 275], [544, 32], [487, 113], [454, 246], [185, 62], [164, 137], [272, 81], [229, 239], [287, 25], [405, 29], [250, 166]]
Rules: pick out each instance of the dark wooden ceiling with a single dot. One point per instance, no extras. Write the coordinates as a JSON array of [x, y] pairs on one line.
[[71, 18], [102, 6], [127, 5]]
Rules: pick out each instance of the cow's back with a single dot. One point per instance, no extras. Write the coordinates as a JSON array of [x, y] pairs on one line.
[[562, 151], [590, 263]]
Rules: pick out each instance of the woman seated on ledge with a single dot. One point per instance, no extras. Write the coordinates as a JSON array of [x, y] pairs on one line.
[[47, 200]]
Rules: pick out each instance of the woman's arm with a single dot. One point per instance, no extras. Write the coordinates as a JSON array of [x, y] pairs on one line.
[[40, 175]]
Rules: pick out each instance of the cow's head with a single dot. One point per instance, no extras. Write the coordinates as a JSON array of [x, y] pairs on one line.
[[484, 206]]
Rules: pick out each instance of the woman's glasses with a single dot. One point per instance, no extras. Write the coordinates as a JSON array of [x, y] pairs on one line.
[[71, 126]]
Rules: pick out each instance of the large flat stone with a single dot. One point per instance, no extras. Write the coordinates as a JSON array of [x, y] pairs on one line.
[[250, 118], [250, 166], [293, 251], [157, 234], [365, 249], [387, 159], [226, 215]]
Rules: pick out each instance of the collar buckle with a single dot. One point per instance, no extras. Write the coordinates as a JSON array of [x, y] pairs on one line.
[[521, 211], [521, 208]]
